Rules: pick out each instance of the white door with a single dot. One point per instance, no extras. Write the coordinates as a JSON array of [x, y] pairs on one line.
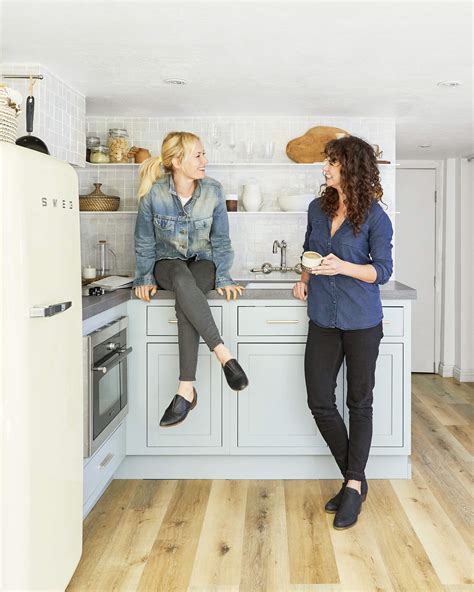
[[415, 257]]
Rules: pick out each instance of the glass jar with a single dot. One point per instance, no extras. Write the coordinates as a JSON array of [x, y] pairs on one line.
[[91, 142], [119, 145], [99, 155]]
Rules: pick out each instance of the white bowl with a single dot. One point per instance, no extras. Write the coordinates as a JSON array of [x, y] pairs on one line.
[[295, 203]]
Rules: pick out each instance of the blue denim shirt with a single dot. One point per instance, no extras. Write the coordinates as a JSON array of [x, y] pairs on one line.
[[341, 301], [165, 229]]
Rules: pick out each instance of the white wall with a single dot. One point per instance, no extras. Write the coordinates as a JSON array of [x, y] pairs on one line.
[[457, 320]]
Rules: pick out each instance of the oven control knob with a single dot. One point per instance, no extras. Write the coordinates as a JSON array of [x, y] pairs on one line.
[[112, 346]]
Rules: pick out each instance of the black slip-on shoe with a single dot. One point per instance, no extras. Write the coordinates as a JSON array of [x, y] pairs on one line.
[[177, 410], [235, 376], [333, 504], [349, 509]]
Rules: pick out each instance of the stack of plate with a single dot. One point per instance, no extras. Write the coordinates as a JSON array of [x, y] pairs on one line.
[[9, 111]]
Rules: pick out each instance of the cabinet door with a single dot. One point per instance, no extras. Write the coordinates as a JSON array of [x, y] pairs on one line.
[[273, 411], [388, 397], [203, 426]]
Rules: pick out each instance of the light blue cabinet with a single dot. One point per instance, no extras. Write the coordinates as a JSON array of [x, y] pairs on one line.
[[272, 411], [203, 426], [388, 397], [267, 430]]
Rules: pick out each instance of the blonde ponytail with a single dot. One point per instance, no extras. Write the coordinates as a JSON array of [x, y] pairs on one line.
[[178, 145], [150, 171]]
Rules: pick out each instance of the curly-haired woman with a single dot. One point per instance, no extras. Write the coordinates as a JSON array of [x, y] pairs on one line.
[[182, 244], [350, 229]]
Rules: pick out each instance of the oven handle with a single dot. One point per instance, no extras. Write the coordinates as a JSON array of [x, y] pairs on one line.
[[123, 354]]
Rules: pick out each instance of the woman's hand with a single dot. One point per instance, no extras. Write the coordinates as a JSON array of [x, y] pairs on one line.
[[144, 292], [231, 292], [331, 265], [300, 290]]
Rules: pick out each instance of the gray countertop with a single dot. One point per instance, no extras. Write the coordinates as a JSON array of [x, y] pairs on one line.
[[93, 305]]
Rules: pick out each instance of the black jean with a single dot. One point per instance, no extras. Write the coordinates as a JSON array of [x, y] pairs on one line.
[[325, 351], [190, 280]]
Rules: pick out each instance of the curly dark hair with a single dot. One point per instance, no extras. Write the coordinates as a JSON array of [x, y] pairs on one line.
[[360, 179]]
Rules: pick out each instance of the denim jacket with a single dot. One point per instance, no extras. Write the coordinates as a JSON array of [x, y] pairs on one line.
[[165, 229]]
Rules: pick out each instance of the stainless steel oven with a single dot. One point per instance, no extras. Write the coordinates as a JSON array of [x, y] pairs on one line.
[[105, 384]]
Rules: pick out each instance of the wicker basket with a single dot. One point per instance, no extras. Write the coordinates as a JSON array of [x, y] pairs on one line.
[[98, 201], [9, 112]]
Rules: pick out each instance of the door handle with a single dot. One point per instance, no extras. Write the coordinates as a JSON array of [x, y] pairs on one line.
[[50, 310], [123, 353], [282, 322]]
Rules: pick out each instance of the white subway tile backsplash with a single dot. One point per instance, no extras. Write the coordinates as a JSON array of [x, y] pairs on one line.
[[55, 121]]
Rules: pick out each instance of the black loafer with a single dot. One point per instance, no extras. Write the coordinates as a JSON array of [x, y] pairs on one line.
[[235, 376], [349, 509], [333, 504], [177, 410]]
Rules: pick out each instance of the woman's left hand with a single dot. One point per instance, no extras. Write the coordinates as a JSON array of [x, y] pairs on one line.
[[331, 265], [231, 292]]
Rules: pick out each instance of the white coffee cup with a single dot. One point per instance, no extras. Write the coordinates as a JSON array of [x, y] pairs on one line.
[[311, 260]]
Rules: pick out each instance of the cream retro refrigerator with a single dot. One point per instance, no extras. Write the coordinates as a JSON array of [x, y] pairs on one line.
[[41, 372]]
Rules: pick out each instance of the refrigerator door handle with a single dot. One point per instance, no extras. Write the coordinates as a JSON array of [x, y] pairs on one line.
[[49, 311]]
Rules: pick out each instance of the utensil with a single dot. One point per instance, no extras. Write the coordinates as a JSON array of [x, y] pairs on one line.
[[29, 141]]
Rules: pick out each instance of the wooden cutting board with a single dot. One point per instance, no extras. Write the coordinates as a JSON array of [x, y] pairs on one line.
[[310, 146]]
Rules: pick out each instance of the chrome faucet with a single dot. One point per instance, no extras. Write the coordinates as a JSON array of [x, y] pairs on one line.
[[267, 268], [282, 245]]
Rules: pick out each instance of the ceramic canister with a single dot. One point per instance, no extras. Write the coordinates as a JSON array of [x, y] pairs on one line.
[[252, 197]]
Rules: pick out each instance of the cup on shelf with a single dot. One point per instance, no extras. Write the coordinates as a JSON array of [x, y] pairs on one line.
[[268, 149], [248, 151], [231, 202]]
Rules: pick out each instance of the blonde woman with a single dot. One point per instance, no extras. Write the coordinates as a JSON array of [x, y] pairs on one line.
[[182, 244]]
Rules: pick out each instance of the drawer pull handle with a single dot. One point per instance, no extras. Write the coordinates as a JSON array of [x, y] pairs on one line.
[[173, 321], [282, 322], [106, 461], [386, 322]]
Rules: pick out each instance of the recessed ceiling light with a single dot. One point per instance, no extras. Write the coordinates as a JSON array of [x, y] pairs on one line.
[[177, 81], [424, 146], [449, 83]]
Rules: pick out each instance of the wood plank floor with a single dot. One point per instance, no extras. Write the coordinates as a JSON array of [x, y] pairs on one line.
[[272, 536]]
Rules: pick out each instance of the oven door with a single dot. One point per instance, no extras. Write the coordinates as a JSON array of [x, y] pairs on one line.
[[109, 382]]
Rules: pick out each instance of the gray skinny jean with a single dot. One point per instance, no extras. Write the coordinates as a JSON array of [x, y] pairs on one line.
[[190, 280]]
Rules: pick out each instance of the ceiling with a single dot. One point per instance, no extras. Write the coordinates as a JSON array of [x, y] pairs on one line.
[[355, 59]]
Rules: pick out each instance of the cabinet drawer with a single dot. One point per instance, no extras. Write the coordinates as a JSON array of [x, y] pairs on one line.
[[161, 320], [101, 467], [393, 321], [272, 320]]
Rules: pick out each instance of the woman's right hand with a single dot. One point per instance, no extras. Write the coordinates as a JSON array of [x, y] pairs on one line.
[[145, 292], [300, 290]]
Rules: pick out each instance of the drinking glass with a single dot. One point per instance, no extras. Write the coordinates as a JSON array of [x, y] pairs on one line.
[[232, 141], [215, 139], [269, 150]]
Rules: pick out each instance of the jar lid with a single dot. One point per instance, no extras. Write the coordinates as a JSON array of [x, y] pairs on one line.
[[92, 141], [118, 131], [102, 149]]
